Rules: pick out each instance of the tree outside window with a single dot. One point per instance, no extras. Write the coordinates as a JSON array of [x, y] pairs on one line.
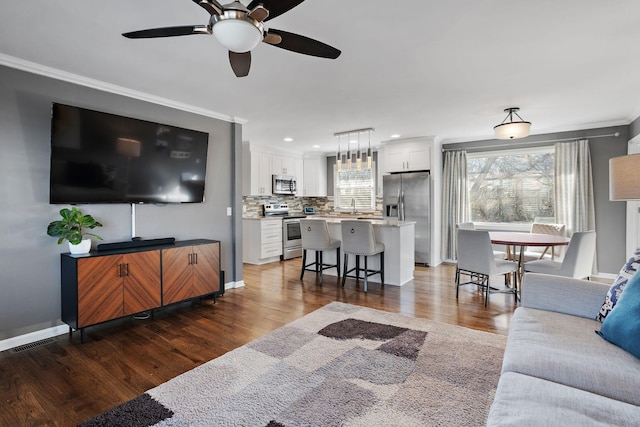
[[511, 186]]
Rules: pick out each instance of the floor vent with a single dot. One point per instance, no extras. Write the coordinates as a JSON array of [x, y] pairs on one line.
[[35, 344]]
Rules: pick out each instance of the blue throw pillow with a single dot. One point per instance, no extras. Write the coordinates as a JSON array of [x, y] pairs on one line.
[[626, 273], [622, 326]]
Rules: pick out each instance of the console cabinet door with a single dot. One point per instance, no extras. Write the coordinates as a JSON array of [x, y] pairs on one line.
[[99, 289], [177, 274], [206, 269], [141, 281]]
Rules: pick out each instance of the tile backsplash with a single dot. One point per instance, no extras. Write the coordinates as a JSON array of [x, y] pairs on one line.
[[323, 205]]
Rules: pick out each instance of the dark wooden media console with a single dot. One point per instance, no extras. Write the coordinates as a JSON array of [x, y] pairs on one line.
[[110, 284]]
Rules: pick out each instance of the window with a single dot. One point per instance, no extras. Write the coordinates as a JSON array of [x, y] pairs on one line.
[[354, 187], [512, 186]]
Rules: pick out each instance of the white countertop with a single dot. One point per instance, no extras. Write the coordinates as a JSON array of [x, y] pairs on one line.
[[263, 218], [339, 219], [375, 222]]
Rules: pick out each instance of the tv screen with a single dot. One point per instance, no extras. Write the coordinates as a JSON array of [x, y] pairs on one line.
[[104, 158]]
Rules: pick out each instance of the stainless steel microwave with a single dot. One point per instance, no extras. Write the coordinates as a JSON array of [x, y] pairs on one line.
[[284, 184]]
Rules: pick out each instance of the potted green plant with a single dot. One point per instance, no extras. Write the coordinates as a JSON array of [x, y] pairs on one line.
[[72, 227]]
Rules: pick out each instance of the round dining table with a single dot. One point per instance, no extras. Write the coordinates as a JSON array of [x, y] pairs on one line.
[[513, 238]]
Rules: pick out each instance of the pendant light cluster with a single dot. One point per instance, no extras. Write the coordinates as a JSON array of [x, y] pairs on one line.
[[354, 159]]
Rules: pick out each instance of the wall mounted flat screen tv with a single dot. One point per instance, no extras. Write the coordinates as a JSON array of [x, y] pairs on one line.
[[104, 158]]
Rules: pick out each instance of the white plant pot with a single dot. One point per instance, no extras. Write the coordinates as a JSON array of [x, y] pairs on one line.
[[81, 248]]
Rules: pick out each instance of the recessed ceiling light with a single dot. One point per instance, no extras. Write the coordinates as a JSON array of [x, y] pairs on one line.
[[288, 139], [395, 135], [353, 141], [316, 146]]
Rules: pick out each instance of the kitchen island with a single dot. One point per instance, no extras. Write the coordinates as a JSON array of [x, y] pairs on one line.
[[399, 249]]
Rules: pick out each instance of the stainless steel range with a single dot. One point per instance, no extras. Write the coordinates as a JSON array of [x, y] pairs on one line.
[[291, 236]]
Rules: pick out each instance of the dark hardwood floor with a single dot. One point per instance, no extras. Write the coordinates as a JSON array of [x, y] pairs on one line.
[[64, 382]]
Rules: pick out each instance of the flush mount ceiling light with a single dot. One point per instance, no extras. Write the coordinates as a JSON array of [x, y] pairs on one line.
[[512, 129]]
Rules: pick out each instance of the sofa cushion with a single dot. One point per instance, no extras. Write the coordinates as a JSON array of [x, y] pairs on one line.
[[626, 273], [565, 349], [622, 326], [522, 400]]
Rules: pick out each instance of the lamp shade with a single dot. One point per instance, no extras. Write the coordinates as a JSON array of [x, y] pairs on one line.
[[624, 177], [512, 130], [237, 35]]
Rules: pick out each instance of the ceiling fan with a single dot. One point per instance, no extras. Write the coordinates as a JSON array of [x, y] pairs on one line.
[[240, 28]]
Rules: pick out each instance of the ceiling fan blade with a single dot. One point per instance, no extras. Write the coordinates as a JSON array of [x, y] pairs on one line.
[[240, 63], [211, 6], [301, 44], [275, 7], [168, 32], [259, 13]]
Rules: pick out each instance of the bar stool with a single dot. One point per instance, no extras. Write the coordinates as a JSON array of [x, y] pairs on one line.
[[315, 237], [358, 239]]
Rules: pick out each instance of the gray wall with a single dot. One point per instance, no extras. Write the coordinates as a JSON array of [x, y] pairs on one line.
[[29, 259], [635, 128], [610, 216]]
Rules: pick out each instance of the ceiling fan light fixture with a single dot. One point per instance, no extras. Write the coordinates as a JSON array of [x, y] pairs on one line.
[[237, 32], [512, 129]]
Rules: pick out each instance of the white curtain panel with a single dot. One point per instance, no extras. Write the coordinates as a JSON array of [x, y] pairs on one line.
[[574, 187], [455, 200]]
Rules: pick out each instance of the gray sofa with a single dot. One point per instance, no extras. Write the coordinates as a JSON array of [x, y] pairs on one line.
[[556, 370]]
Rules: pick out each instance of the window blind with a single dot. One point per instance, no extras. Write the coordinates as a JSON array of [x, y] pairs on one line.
[[354, 187]]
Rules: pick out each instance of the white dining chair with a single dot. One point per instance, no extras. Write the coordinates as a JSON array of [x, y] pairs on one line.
[[472, 226], [544, 252], [476, 260], [577, 262]]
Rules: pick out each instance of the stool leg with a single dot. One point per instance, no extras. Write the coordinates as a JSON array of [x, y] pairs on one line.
[[316, 264], [382, 267], [357, 267], [338, 261], [366, 273], [321, 266], [304, 261], [344, 272]]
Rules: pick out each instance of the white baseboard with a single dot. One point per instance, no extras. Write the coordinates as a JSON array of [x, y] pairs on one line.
[[234, 285], [31, 337]]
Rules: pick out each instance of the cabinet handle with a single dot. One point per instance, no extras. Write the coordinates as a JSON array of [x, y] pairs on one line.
[[190, 259], [126, 269], [195, 257], [119, 270]]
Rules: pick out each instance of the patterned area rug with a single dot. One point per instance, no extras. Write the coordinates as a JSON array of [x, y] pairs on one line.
[[341, 365]]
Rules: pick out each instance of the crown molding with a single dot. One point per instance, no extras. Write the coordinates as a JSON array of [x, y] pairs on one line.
[[54, 73]]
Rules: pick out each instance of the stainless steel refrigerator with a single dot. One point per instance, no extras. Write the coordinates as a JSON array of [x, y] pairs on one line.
[[406, 196]]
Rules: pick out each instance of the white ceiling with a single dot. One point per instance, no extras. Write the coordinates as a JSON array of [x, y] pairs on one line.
[[415, 68]]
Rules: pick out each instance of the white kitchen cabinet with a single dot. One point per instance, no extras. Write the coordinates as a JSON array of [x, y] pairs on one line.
[[299, 174], [269, 246], [283, 165], [256, 173], [260, 163], [315, 176], [408, 155]]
